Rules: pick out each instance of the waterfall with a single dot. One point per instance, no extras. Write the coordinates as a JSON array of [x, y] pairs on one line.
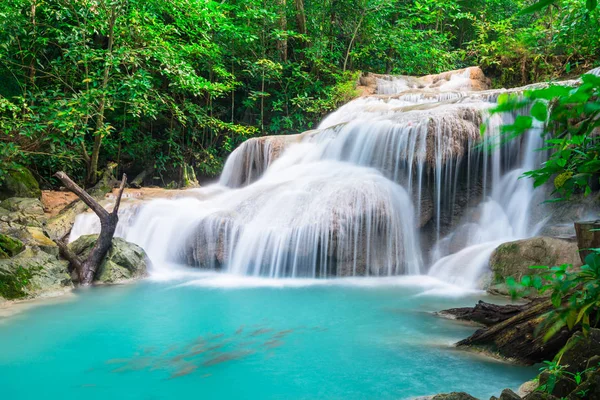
[[401, 182]]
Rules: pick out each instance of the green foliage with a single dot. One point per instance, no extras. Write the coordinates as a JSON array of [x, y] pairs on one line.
[[14, 283], [169, 83], [544, 43], [575, 294], [554, 371], [571, 118]]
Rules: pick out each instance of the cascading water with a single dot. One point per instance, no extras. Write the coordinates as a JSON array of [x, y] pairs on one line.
[[383, 180]]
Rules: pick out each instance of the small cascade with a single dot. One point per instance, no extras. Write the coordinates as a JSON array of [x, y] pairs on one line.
[[388, 184]]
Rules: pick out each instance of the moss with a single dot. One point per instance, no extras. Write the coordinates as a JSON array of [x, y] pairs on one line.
[[19, 182], [14, 283], [508, 248], [10, 247]]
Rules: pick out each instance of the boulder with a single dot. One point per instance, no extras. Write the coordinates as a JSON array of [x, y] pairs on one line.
[[33, 273], [589, 389], [24, 205], [19, 182], [563, 384], [453, 396], [508, 394], [124, 261], [579, 349], [514, 259], [528, 387], [540, 396], [33, 237]]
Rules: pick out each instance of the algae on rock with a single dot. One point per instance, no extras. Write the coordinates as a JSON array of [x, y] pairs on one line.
[[124, 260], [19, 182]]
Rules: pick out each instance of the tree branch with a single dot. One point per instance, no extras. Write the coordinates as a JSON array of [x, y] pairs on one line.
[[82, 194]]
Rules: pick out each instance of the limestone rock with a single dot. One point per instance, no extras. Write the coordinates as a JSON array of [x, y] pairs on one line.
[[33, 273], [9, 246], [19, 182], [24, 205], [528, 387], [189, 177], [124, 261], [250, 160], [513, 259], [508, 394], [60, 225], [453, 396]]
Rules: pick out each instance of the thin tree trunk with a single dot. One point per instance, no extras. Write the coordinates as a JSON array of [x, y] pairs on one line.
[[282, 45], [300, 16], [352, 41], [93, 167], [86, 269]]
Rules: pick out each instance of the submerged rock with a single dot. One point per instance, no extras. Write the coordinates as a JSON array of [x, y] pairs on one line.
[[124, 261], [19, 182]]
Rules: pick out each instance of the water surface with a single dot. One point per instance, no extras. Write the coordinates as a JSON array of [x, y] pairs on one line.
[[218, 337]]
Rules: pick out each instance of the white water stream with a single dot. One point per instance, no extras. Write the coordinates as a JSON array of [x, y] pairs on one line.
[[387, 185]]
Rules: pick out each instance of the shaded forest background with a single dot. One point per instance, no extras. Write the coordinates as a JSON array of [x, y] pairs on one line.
[[162, 85]]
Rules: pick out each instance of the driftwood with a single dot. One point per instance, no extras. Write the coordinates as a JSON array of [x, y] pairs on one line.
[[86, 269], [520, 337], [485, 313]]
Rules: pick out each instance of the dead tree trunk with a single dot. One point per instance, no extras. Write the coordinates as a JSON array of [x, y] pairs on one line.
[[485, 313], [86, 269], [520, 337]]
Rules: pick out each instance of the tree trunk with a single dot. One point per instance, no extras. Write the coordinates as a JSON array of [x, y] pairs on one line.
[[86, 269], [300, 16], [520, 337], [352, 41], [98, 134], [588, 236], [282, 42], [485, 313]]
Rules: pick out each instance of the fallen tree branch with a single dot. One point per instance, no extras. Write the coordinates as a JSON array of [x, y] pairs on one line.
[[86, 269]]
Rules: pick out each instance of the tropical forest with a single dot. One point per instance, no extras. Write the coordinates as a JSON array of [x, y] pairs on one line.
[[299, 199]]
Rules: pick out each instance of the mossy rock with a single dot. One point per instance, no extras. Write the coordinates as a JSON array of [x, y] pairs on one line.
[[19, 182], [514, 259], [24, 205], [33, 273], [124, 261], [10, 247]]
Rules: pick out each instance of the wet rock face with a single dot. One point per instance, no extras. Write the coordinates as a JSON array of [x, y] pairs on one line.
[[19, 182], [124, 261], [514, 258]]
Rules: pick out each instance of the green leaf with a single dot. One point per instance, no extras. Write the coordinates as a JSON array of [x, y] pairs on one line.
[[539, 111], [537, 6], [591, 4]]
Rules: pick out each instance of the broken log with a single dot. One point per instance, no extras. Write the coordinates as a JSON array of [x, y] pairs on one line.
[[520, 337], [86, 269], [483, 313]]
